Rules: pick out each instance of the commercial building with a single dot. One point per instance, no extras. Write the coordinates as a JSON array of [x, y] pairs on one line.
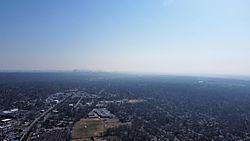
[[100, 113]]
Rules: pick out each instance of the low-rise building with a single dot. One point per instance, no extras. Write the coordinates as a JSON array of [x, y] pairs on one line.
[[101, 113]]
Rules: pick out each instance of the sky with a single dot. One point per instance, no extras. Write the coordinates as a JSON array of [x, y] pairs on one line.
[[147, 36]]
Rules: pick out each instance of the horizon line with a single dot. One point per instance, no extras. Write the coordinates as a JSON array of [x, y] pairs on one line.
[[234, 76]]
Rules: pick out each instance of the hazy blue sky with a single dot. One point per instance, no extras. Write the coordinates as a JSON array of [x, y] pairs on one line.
[[160, 36]]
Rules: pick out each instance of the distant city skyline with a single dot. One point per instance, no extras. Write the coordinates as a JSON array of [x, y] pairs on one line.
[[140, 36]]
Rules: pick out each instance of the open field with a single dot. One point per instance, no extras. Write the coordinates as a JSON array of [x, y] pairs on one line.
[[84, 129]]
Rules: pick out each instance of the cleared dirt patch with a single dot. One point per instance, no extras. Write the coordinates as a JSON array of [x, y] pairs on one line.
[[86, 128]]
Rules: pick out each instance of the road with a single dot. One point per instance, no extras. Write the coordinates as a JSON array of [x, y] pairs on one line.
[[78, 102], [29, 128]]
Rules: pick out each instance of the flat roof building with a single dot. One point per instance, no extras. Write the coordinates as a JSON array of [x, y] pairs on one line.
[[100, 112], [6, 120]]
